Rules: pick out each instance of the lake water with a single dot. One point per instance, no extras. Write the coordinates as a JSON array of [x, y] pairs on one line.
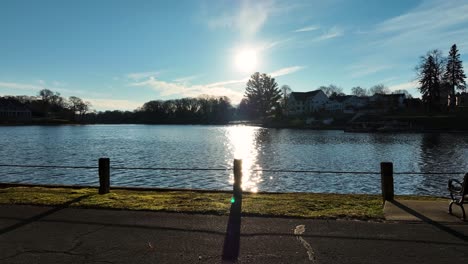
[[217, 146]]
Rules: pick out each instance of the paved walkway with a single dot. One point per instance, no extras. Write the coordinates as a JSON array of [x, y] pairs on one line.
[[33, 234], [411, 210]]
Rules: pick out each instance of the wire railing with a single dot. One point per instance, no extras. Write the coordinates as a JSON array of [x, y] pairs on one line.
[[104, 169], [230, 169]]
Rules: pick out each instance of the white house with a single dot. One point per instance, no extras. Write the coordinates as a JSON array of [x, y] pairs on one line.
[[334, 106], [387, 101], [355, 102], [306, 102]]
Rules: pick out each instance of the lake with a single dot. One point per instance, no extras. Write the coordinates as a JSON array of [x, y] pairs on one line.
[[188, 146]]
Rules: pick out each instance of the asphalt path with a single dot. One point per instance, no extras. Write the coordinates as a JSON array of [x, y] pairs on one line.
[[34, 234]]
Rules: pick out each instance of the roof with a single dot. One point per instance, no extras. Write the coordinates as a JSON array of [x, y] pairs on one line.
[[342, 98], [390, 95], [302, 96]]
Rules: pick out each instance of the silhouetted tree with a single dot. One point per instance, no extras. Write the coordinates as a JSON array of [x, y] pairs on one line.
[[454, 76], [245, 110], [379, 89], [402, 91], [46, 95], [263, 94], [331, 89], [359, 91], [286, 90], [77, 105], [202, 110], [430, 72]]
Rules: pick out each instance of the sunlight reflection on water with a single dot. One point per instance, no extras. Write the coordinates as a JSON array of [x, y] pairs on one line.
[[242, 145]]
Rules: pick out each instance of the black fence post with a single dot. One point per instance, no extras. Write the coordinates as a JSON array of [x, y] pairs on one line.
[[386, 174], [237, 180], [104, 175], [231, 246]]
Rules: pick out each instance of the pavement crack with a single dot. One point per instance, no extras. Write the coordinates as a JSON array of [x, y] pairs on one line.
[[77, 240], [88, 233], [11, 256], [44, 251], [298, 231]]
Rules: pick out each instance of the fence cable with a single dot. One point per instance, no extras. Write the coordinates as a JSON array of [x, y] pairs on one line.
[[228, 169]]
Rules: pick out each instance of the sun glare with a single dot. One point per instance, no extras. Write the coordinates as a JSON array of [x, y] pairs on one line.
[[241, 142], [246, 60]]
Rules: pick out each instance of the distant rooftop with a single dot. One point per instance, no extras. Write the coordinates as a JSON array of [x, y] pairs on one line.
[[302, 96]]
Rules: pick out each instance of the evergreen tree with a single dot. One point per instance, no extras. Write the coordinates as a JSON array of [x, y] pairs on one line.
[[454, 76], [430, 72], [263, 94]]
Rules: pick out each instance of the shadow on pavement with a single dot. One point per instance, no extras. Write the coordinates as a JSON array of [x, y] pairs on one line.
[[232, 239], [41, 215], [430, 221]]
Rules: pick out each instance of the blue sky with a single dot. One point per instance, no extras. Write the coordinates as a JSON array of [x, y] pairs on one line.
[[120, 54]]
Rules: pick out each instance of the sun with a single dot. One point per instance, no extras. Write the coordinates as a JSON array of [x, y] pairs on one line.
[[246, 60]]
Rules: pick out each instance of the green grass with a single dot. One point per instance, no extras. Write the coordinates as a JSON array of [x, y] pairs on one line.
[[304, 205]]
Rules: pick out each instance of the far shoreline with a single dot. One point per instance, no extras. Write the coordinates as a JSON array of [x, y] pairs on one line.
[[245, 123]]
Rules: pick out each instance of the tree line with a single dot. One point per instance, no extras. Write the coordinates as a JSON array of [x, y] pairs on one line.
[[201, 110], [439, 78], [51, 105]]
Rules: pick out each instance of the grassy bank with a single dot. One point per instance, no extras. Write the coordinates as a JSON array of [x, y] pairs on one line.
[[309, 205]]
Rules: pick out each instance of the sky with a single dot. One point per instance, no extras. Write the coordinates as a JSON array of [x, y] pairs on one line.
[[120, 54]]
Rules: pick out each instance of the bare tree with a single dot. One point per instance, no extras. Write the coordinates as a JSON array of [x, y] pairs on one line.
[[359, 91], [331, 90], [286, 90], [78, 106], [379, 89]]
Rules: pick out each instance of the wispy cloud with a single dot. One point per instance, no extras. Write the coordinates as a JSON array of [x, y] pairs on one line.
[[186, 78], [306, 29], [167, 89], [21, 86], [113, 104], [55, 86], [404, 86], [394, 45], [430, 15], [274, 44], [362, 70], [234, 89], [286, 71], [229, 82], [246, 17], [142, 75], [333, 32], [432, 24]]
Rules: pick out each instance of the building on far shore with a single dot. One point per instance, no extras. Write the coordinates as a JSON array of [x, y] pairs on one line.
[[387, 101], [13, 111], [300, 103], [346, 103]]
